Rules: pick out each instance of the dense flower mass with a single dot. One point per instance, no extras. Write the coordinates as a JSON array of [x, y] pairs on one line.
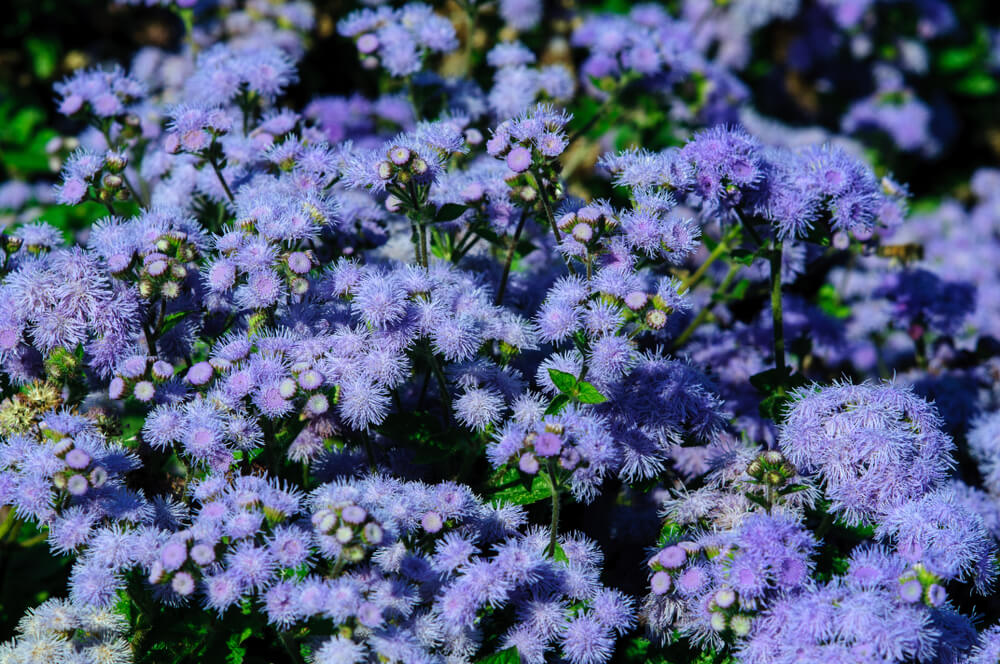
[[586, 333]]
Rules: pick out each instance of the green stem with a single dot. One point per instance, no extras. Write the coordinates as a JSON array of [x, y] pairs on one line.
[[702, 316], [554, 526], [288, 643], [135, 192], [543, 193], [776, 312], [442, 382], [218, 172], [719, 250], [510, 257]]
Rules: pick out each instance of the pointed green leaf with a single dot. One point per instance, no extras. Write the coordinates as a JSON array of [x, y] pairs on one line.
[[564, 382], [587, 393], [449, 212]]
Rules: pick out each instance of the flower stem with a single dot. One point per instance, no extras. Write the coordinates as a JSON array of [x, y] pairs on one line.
[[554, 526], [721, 248], [702, 316], [776, 312], [510, 257], [218, 172]]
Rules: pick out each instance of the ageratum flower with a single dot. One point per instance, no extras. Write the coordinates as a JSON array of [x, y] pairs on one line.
[[874, 446]]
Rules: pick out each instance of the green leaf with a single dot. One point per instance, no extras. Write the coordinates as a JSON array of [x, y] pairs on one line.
[[171, 321], [508, 656], [743, 256], [557, 405], [237, 652], [538, 489], [977, 84], [958, 58], [44, 56], [449, 212], [587, 393], [564, 382], [559, 555], [830, 303]]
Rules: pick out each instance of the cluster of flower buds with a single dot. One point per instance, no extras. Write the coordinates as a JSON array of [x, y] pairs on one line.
[[195, 130], [646, 309], [348, 529], [19, 411], [163, 271], [309, 381], [402, 166], [80, 474], [672, 573], [294, 266], [138, 377], [93, 177], [771, 468], [181, 562], [547, 445], [918, 584], [584, 229]]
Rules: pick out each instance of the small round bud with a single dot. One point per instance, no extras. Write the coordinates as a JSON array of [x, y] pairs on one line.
[[170, 290], [773, 457], [317, 404], [77, 459], [98, 476], [116, 388], [724, 598], [113, 181], [432, 522], [287, 388], [372, 532], [740, 624], [77, 485], [582, 232], [367, 43], [755, 469], [202, 554], [519, 159], [144, 391], [473, 136], [344, 534], [419, 166], [656, 319], [719, 622], [672, 557], [354, 514], [399, 155], [636, 300], [528, 464], [660, 583], [163, 370], [298, 262], [115, 162], [182, 583], [178, 271], [911, 591], [384, 170]]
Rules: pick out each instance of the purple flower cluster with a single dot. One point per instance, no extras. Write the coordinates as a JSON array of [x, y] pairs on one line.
[[712, 588], [376, 377], [875, 447], [398, 39]]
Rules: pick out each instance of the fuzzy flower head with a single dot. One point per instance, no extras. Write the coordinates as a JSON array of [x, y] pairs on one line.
[[875, 446]]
